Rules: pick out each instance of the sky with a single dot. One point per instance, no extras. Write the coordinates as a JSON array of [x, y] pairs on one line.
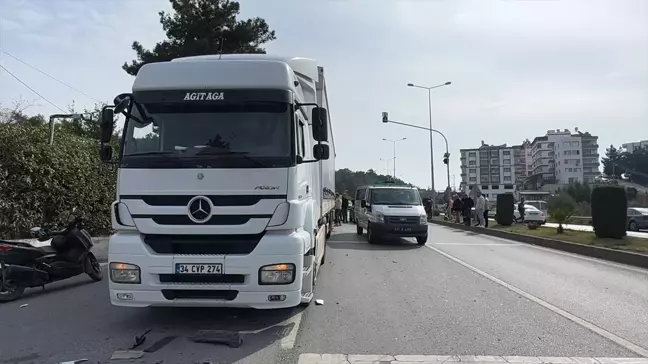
[[517, 67]]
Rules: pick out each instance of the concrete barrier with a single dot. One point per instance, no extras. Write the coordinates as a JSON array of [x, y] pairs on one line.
[[634, 259]]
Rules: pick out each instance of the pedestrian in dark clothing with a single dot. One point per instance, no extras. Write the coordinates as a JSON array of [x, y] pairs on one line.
[[457, 209], [468, 204], [486, 213], [345, 208], [521, 210]]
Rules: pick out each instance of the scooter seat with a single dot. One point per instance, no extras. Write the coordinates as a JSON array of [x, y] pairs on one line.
[[47, 249]]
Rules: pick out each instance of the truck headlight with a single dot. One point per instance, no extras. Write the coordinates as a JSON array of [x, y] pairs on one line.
[[277, 274], [379, 217], [423, 219], [125, 273]]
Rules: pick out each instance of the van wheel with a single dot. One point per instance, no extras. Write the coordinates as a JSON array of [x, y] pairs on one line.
[[358, 230], [421, 240], [371, 237]]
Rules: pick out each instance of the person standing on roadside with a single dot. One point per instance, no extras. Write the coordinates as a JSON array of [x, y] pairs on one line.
[[457, 208], [345, 208], [338, 210], [480, 207], [468, 204], [521, 210], [486, 203]]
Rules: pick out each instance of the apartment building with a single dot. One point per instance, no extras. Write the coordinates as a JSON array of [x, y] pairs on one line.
[[558, 157], [563, 157], [631, 147], [494, 168]]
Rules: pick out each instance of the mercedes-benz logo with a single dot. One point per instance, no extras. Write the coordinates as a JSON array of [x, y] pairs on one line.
[[200, 209], [200, 176]]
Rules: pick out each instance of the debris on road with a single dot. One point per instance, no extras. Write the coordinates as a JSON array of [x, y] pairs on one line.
[[24, 305], [74, 361], [139, 340], [319, 301], [127, 354], [231, 338], [159, 344]]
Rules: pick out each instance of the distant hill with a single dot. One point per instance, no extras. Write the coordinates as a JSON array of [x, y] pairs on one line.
[[346, 180]]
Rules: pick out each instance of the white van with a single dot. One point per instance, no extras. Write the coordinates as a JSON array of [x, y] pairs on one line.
[[390, 211]]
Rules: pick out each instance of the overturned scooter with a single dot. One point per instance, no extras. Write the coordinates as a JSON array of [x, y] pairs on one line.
[[23, 265]]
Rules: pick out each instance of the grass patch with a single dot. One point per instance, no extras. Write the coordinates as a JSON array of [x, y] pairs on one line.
[[629, 243]]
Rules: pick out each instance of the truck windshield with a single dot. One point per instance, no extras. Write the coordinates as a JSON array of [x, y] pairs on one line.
[[395, 196], [190, 135]]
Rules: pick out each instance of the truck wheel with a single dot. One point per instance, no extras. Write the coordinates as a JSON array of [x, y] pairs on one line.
[[358, 230], [633, 226], [11, 291], [421, 240]]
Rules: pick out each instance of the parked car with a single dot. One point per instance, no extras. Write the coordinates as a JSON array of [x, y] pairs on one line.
[[531, 214], [637, 218]]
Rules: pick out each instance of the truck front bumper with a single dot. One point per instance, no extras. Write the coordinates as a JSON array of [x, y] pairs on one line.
[[238, 284]]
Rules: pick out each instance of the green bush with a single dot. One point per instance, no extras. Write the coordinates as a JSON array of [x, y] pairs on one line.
[[504, 212], [561, 208], [39, 181], [609, 212]]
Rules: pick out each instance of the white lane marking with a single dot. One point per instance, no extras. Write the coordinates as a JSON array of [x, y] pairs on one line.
[[606, 334], [288, 341], [312, 358], [478, 244], [583, 257]]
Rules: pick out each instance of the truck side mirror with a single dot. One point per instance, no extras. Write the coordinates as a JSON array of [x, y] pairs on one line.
[[321, 152], [107, 124], [105, 152], [320, 124]]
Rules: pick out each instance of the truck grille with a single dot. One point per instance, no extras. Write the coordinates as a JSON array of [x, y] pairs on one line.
[[203, 244], [226, 295], [217, 200], [402, 219], [202, 278]]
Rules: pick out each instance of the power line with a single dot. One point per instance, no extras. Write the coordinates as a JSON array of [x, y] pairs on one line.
[[32, 90], [48, 75]]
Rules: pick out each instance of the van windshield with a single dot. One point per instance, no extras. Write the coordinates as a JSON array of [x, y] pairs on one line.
[[395, 196]]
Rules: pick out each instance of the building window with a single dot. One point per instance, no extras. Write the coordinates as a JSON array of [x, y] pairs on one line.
[[495, 187], [483, 179], [507, 178], [507, 170], [472, 170], [472, 163], [507, 161], [472, 154], [506, 152], [508, 187], [473, 179], [484, 187]]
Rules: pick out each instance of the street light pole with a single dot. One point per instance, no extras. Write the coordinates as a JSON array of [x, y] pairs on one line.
[[394, 141], [429, 89]]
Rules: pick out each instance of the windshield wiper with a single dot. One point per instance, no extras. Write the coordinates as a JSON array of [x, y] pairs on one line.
[[231, 152]]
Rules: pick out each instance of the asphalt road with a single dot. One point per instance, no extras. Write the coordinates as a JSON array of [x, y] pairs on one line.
[[462, 294]]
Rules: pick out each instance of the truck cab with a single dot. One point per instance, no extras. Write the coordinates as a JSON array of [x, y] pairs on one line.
[[389, 212], [225, 183]]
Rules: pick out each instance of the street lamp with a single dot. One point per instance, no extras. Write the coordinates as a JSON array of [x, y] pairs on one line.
[[429, 89], [394, 141]]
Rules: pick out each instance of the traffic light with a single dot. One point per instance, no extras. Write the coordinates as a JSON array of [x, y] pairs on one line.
[[446, 158]]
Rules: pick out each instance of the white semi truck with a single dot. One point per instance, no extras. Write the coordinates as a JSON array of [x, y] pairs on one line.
[[226, 183]]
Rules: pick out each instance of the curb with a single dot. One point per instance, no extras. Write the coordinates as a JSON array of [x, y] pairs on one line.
[[618, 256]]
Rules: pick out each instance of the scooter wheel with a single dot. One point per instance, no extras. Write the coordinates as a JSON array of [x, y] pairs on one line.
[[11, 291], [93, 268]]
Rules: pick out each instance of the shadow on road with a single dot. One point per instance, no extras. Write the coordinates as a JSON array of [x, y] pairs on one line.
[[400, 244]]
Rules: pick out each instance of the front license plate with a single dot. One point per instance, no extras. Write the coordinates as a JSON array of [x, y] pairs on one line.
[[402, 229], [215, 268]]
